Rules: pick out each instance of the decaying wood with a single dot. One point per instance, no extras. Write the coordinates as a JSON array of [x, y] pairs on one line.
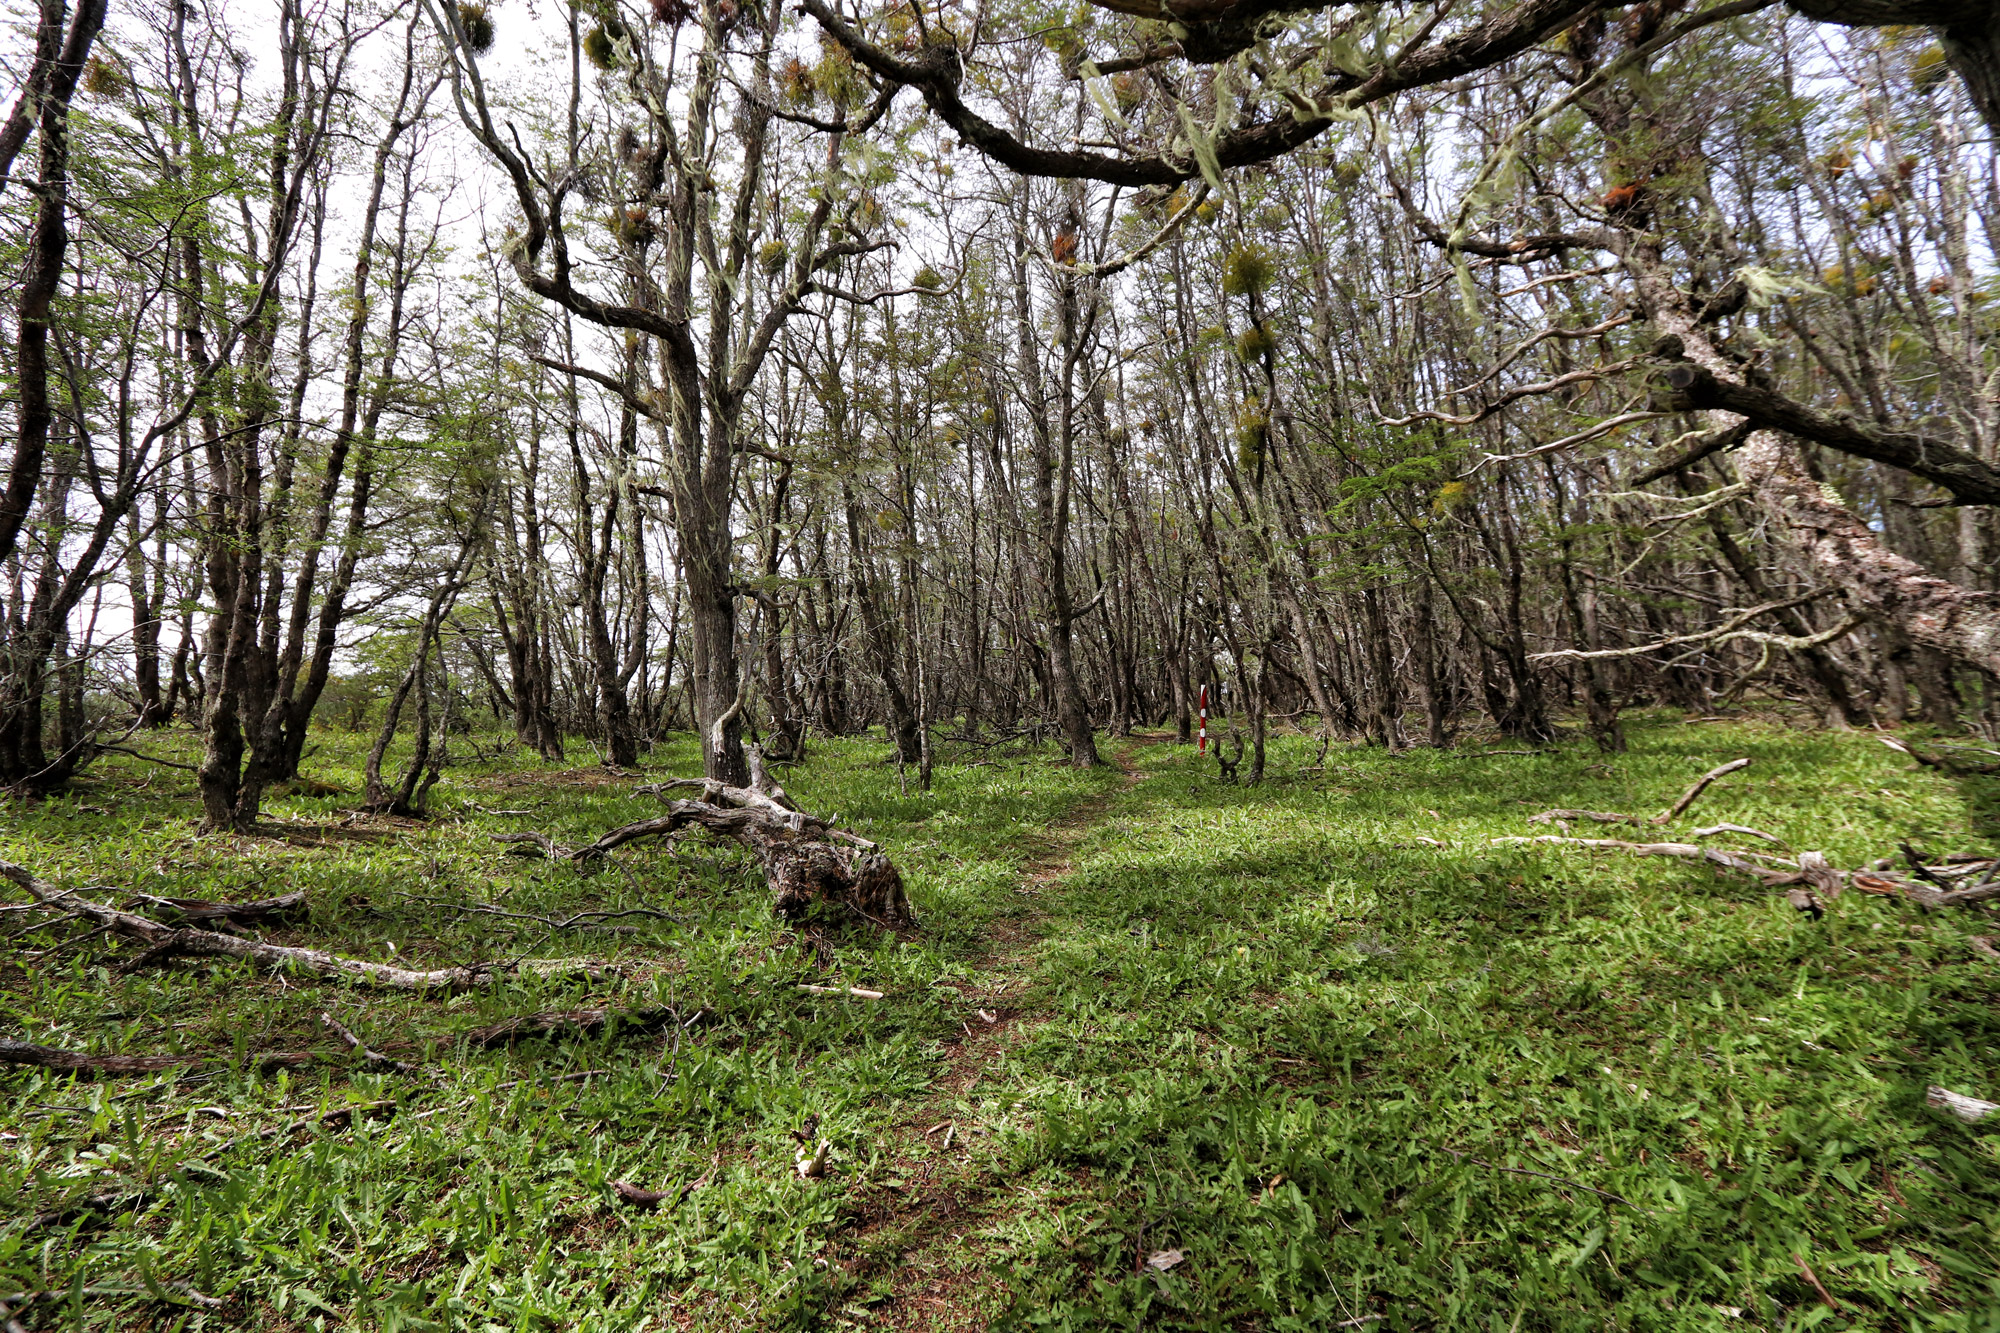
[[797, 852], [1227, 765], [75, 1062], [1824, 879], [1961, 881], [1985, 891], [1700, 786], [640, 1198], [107, 1202], [650, 1199], [593, 918], [164, 942]]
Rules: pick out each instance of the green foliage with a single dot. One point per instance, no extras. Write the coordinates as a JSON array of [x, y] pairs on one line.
[[837, 77], [1324, 1038]]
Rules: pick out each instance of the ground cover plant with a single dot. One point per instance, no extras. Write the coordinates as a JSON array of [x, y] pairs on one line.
[[1166, 1052]]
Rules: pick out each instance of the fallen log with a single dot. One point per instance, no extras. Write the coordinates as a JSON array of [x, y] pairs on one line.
[[1963, 880], [797, 851]]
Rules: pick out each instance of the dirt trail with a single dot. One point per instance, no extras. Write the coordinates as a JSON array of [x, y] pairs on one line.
[[911, 1230]]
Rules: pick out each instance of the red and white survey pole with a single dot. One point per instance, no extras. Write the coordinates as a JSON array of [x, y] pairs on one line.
[[1201, 743]]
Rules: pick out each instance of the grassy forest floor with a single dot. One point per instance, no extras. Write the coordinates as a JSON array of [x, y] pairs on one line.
[[1168, 1053]]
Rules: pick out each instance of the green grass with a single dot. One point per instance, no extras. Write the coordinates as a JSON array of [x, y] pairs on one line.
[[1346, 1072]]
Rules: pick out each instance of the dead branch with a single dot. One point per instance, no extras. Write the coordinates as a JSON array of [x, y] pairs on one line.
[[1809, 886], [1588, 375], [1985, 891], [763, 783], [1715, 829], [590, 919], [639, 1198], [371, 1057], [1539, 1175], [1731, 631], [1227, 766], [532, 844], [1604, 427], [104, 1201], [1700, 786], [74, 1062], [1684, 850], [285, 905], [649, 1199], [1968, 1109], [1943, 762], [164, 942], [841, 990]]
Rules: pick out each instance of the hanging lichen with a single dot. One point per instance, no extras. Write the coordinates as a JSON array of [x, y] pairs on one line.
[[600, 44], [1253, 344], [1246, 271], [477, 26], [1252, 430]]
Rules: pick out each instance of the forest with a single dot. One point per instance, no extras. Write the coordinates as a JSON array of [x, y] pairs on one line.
[[956, 664]]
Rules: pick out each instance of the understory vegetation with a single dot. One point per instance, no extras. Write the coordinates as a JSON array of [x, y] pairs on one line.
[[1252, 665], [1167, 1052]]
